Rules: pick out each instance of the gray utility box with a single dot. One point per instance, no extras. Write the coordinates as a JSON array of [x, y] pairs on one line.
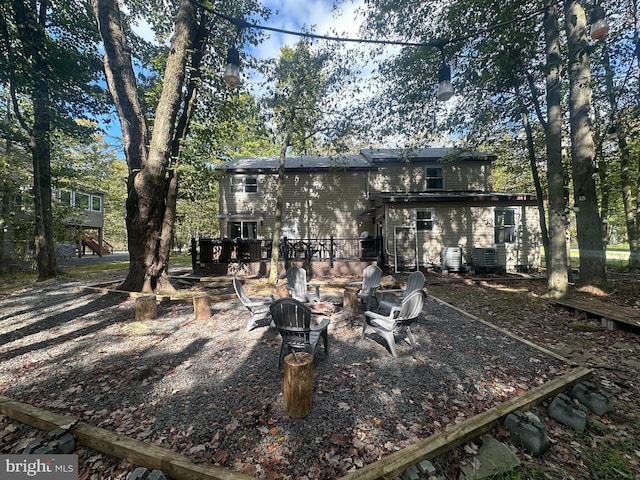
[[485, 259], [452, 259]]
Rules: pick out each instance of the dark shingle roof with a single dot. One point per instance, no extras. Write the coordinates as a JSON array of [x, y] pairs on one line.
[[298, 162], [367, 159]]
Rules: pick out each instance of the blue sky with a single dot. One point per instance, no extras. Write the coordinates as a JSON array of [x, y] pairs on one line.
[[296, 15]]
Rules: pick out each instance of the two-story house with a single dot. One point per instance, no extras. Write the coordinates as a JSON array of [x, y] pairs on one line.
[[427, 206], [83, 212]]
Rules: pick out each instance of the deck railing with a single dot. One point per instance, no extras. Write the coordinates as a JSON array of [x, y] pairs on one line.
[[220, 250]]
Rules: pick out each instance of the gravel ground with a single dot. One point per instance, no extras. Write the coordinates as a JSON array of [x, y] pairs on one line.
[[211, 391]]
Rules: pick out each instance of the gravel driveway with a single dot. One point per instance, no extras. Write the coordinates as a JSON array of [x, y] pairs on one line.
[[210, 390]]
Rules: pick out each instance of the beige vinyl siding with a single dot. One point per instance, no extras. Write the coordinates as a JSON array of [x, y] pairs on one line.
[[410, 177], [318, 204], [466, 227], [526, 251]]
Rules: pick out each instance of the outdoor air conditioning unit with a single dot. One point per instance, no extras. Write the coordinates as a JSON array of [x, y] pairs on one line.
[[452, 259], [485, 259]]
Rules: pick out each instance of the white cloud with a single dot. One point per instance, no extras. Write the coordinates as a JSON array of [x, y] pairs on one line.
[[317, 15]]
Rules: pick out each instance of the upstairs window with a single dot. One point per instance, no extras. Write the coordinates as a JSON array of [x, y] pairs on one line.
[[82, 200], [434, 180], [244, 184], [96, 203], [65, 197], [424, 220], [505, 225]]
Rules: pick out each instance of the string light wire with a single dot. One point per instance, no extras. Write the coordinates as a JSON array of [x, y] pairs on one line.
[[439, 44]]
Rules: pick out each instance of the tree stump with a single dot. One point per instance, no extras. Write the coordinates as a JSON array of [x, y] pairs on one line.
[[282, 291], [298, 384], [351, 298], [146, 308], [202, 307]]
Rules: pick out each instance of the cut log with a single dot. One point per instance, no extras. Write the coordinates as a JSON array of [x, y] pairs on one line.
[[202, 307], [298, 384], [351, 298], [146, 308]]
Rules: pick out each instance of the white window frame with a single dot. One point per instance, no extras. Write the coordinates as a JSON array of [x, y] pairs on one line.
[[503, 232], [244, 225], [427, 222], [76, 200], [92, 198], [73, 201], [431, 178], [239, 184]]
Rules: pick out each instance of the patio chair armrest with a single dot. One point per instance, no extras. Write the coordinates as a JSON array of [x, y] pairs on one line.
[[393, 291], [266, 298], [380, 320], [324, 323], [375, 315], [259, 304]]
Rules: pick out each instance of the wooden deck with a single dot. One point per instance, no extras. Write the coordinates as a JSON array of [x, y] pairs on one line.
[[610, 315]]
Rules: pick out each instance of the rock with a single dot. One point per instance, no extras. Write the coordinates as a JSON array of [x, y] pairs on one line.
[[493, 458]]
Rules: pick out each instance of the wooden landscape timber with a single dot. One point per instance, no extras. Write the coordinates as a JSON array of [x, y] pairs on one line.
[[180, 467], [507, 333], [139, 453], [395, 463]]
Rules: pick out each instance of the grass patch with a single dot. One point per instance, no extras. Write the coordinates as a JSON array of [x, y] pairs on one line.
[[12, 281]]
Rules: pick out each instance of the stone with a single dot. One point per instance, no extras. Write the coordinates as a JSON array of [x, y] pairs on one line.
[[142, 473], [568, 412], [528, 432], [58, 441], [493, 458], [594, 398], [61, 441], [411, 473], [426, 468]]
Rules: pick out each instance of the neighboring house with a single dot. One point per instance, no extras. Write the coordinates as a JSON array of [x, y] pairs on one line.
[[84, 214], [427, 209]]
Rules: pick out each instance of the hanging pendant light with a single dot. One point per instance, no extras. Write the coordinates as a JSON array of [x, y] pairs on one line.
[[599, 24], [445, 89], [232, 70]]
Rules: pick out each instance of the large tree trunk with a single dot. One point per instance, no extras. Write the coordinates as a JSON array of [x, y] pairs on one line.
[[147, 186], [34, 40], [531, 149], [557, 274], [182, 129], [592, 251]]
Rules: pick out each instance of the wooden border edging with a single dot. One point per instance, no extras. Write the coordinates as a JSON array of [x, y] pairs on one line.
[[395, 463], [139, 453], [506, 332]]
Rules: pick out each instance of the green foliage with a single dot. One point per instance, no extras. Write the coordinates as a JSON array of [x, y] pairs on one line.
[[16, 207], [90, 164], [70, 50], [304, 99]]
